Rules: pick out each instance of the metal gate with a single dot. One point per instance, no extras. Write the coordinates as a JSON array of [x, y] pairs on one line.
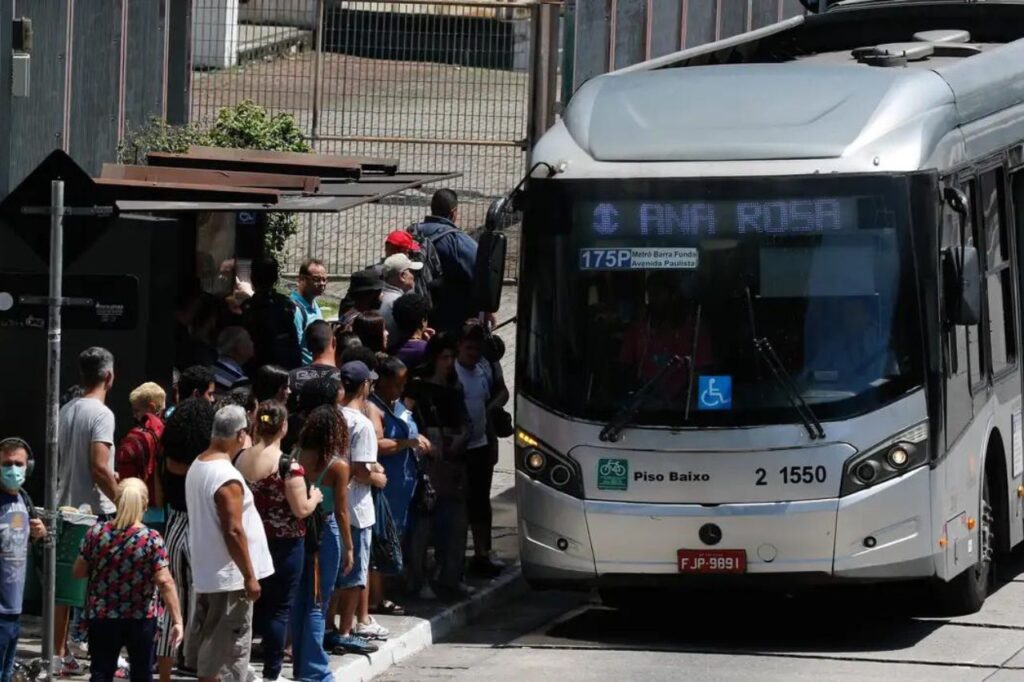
[[438, 85]]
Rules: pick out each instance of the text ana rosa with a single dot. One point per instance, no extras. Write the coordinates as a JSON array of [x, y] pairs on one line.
[[797, 216]]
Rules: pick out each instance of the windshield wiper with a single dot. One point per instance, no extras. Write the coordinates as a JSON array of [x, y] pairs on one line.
[[783, 378], [613, 430]]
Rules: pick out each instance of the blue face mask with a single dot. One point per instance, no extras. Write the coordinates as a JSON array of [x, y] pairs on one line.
[[12, 476]]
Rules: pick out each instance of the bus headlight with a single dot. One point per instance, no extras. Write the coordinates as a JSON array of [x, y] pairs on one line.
[[894, 457], [542, 464], [535, 461]]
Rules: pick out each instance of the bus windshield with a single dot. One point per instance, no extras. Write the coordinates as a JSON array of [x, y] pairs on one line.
[[625, 276]]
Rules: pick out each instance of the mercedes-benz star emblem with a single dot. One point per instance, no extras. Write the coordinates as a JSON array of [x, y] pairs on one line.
[[710, 534]]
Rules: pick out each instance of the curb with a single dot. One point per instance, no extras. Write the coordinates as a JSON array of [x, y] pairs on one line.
[[425, 632]]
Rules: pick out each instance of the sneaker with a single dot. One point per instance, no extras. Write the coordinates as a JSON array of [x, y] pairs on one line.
[[78, 649], [371, 630], [351, 644], [332, 640], [69, 666]]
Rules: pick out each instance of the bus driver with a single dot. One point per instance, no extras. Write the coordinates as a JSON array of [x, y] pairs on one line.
[[668, 327]]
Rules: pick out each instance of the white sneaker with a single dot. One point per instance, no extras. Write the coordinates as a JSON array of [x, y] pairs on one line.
[[371, 630], [78, 649], [69, 666]]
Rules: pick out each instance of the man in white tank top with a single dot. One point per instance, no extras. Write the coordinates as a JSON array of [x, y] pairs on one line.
[[230, 554]]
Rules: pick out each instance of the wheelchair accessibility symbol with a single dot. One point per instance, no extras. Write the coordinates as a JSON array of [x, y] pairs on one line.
[[714, 393]]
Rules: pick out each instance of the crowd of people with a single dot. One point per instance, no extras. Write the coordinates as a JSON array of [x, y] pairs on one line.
[[291, 481]]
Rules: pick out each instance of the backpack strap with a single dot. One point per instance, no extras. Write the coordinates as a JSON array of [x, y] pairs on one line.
[[284, 465], [434, 239], [27, 501]]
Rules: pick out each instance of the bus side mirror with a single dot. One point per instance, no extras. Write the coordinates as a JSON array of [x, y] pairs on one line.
[[496, 214], [961, 275], [489, 270]]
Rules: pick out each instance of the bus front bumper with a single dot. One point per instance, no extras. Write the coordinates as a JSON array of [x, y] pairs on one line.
[[882, 533]]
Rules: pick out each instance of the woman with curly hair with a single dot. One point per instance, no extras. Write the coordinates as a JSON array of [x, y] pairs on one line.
[[186, 435], [321, 453]]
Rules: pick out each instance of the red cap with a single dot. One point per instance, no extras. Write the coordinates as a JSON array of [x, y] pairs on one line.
[[402, 240]]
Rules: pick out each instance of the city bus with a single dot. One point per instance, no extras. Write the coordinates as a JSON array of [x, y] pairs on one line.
[[769, 323]]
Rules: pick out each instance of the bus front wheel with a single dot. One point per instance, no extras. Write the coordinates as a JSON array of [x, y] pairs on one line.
[[966, 593]]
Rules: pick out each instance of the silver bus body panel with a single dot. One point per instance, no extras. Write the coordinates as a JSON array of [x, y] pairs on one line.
[[545, 516], [643, 538], [735, 112], [667, 475]]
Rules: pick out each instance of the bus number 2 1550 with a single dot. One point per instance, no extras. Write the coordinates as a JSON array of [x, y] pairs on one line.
[[794, 475]]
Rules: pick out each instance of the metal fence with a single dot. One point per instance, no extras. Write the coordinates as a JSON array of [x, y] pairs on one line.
[[440, 86]]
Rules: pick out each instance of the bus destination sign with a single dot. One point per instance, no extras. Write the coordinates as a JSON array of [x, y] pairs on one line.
[[645, 258], [819, 215]]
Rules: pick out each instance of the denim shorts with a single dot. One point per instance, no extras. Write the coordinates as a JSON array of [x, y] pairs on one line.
[[360, 572]]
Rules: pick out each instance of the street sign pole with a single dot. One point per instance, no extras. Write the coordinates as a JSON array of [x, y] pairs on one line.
[[52, 406]]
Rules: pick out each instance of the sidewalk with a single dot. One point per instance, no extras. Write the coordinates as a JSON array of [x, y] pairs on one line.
[[428, 621], [410, 634]]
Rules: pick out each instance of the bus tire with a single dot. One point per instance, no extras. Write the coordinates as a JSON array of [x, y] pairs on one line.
[[966, 593]]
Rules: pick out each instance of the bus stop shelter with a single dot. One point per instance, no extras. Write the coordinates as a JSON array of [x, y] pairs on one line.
[[134, 238]]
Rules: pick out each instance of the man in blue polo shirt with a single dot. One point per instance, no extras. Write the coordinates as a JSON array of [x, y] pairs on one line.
[[312, 283], [453, 298]]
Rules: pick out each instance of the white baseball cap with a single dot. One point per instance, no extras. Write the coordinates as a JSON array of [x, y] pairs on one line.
[[399, 262]]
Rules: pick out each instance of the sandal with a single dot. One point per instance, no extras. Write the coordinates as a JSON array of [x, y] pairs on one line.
[[387, 608]]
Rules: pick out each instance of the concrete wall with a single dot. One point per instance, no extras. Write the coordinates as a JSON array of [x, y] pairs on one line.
[[300, 13], [214, 33], [97, 69], [611, 34]]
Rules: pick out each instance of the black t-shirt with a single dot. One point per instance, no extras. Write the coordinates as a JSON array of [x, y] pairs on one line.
[[300, 376]]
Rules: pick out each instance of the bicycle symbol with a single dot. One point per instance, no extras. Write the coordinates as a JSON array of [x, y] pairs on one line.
[[612, 467], [715, 393]]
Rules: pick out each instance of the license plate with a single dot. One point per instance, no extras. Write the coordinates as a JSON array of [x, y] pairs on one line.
[[712, 561]]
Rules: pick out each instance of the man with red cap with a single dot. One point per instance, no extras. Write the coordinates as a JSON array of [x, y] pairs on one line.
[[398, 241], [402, 242]]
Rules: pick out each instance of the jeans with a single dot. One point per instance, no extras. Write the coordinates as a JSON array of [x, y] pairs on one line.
[[311, 663], [447, 527], [479, 475], [272, 609], [108, 635], [9, 630]]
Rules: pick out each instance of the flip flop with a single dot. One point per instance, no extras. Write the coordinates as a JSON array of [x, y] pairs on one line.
[[387, 608]]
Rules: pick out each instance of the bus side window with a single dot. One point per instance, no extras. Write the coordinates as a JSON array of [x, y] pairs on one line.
[[974, 340], [956, 337], [998, 273]]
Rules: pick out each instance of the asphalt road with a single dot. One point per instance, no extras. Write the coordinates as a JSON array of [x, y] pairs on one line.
[[862, 634]]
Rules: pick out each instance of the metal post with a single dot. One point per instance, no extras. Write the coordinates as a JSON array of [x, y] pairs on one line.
[[52, 404], [543, 72], [318, 48], [314, 124]]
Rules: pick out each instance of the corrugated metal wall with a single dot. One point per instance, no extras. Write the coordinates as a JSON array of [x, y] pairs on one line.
[[97, 67], [611, 34]]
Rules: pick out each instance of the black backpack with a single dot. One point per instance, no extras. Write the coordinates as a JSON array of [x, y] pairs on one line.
[[270, 319], [429, 278]]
